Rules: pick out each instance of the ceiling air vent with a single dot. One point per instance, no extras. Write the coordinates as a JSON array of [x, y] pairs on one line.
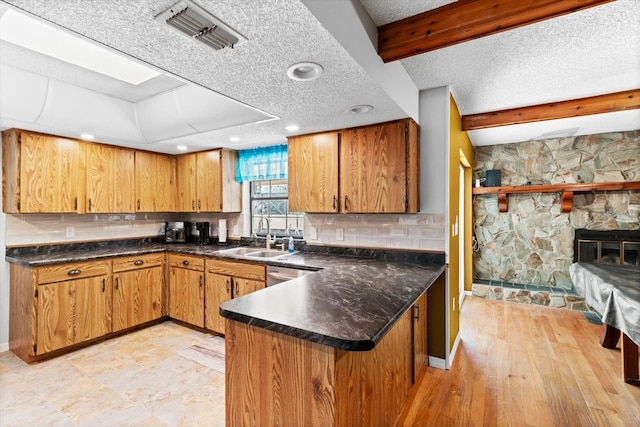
[[197, 23]]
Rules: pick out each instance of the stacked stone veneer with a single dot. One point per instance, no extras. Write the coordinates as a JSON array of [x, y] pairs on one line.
[[532, 243]]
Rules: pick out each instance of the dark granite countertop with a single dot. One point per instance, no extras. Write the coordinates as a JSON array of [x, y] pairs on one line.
[[350, 302]]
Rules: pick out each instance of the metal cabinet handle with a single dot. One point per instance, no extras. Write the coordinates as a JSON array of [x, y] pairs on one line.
[[193, 205], [138, 262], [416, 312], [75, 204], [138, 204], [104, 283], [335, 203], [201, 281], [199, 204], [185, 262], [89, 204], [237, 287], [116, 283], [346, 209], [74, 272], [226, 282]]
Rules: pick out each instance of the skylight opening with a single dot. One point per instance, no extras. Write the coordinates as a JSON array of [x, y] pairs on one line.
[[38, 36]]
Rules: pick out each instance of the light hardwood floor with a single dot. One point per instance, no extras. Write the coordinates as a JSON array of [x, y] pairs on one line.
[[524, 365]]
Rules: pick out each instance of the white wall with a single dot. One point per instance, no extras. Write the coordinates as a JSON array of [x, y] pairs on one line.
[[434, 145]]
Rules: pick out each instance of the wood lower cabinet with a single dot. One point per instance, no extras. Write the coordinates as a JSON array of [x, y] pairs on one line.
[[110, 179], [58, 306], [155, 178], [138, 288], [186, 289], [42, 173], [420, 354], [226, 280], [370, 169]]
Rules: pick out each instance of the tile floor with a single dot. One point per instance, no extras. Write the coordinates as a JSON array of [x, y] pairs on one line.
[[165, 375]]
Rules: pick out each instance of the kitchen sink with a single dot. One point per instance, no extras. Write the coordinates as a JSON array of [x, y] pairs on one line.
[[268, 253], [254, 252], [241, 251]]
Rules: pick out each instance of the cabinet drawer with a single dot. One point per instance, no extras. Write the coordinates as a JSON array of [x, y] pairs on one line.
[[137, 261], [72, 271], [237, 269], [186, 261]]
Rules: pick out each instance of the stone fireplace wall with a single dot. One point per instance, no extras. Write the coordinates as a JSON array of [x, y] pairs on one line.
[[532, 243]]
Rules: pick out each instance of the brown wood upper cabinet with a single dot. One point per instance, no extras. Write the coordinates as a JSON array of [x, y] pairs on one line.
[[370, 169], [110, 179], [155, 179], [206, 182], [42, 173]]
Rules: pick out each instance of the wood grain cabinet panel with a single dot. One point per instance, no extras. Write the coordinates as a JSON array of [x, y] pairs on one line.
[[186, 289], [226, 280], [370, 169], [420, 353], [42, 173], [138, 284], [206, 182], [313, 173], [73, 310], [155, 182], [110, 179]]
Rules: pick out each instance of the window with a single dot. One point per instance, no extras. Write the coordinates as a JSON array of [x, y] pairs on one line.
[[270, 210]]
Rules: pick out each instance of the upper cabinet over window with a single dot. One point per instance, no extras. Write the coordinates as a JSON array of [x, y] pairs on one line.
[[206, 182], [370, 169], [42, 173]]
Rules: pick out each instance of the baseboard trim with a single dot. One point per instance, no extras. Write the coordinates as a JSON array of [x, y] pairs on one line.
[[453, 352], [468, 293], [4, 347], [436, 362]]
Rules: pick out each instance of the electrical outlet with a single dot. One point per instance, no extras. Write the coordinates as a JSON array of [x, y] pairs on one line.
[[70, 231], [340, 233], [313, 233]]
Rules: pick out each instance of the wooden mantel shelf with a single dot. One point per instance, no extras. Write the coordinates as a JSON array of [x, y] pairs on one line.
[[567, 191]]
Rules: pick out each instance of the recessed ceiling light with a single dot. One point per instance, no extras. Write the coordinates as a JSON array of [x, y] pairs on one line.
[[292, 128], [305, 71], [181, 147], [361, 109], [86, 136], [234, 139], [33, 34]]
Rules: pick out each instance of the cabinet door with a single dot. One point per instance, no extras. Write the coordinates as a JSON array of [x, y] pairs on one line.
[[420, 355], [155, 182], [137, 297], [209, 181], [110, 179], [217, 290], [245, 286], [186, 183], [313, 173], [71, 312], [373, 169], [52, 174], [186, 295]]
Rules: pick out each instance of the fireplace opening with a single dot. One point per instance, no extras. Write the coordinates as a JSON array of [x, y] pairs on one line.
[[607, 247]]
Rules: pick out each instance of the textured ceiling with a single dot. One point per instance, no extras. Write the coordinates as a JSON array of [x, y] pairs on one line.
[[587, 53]]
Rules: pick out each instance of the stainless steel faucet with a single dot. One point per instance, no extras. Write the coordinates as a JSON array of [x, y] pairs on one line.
[[268, 237]]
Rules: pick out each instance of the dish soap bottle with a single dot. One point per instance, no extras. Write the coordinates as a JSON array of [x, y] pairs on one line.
[[291, 244]]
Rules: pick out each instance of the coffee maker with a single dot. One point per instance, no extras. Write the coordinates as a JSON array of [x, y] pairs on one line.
[[201, 233]]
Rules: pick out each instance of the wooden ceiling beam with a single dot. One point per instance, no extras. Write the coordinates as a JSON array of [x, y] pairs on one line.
[[609, 103], [466, 20]]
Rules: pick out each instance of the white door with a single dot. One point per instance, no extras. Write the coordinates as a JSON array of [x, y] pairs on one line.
[[461, 220]]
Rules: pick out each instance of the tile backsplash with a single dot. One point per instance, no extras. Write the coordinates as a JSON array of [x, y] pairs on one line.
[[34, 229], [402, 231]]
